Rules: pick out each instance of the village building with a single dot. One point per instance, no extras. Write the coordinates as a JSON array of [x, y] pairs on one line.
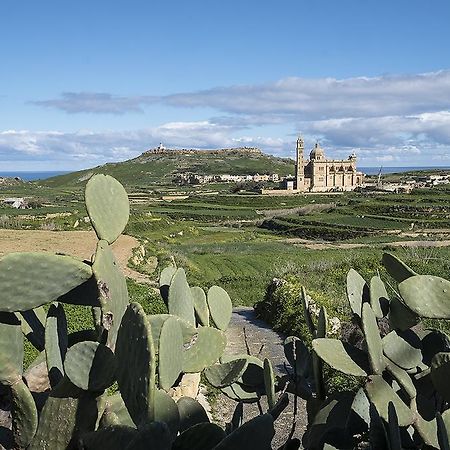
[[319, 174]]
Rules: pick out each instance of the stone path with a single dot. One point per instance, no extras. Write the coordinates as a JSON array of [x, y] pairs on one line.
[[259, 334]]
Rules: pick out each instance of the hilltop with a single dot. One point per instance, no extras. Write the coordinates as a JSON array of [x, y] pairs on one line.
[[158, 166]]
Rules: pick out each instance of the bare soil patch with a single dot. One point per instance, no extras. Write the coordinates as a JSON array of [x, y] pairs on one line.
[[80, 244]]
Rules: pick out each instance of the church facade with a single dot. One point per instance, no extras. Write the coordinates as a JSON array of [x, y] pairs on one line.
[[319, 174]]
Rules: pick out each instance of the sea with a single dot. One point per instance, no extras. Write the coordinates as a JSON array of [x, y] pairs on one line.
[[33, 176]]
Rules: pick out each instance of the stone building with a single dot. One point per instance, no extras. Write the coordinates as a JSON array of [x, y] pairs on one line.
[[319, 174]]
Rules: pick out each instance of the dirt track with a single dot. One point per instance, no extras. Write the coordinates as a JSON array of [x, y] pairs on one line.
[[80, 244]]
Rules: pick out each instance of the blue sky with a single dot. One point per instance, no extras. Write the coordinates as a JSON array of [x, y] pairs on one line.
[[83, 83]]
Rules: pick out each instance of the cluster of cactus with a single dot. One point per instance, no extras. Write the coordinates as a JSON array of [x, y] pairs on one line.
[[404, 371], [63, 401]]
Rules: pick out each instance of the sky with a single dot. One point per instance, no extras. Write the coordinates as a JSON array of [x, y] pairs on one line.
[[88, 82]]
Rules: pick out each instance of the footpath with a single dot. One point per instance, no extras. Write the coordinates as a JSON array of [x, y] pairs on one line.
[[263, 342]]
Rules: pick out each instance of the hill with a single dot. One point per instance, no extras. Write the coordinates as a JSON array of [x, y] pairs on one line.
[[159, 166]]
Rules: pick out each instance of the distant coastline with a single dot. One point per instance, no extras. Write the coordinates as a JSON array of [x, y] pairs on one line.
[[33, 176], [42, 175]]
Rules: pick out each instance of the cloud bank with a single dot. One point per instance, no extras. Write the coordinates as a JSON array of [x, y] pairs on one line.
[[401, 120]]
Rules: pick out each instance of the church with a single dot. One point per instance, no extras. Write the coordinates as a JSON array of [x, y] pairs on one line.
[[319, 174]]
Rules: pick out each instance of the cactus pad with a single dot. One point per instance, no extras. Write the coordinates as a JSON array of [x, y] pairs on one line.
[[256, 433], [203, 436], [307, 313], [357, 291], [427, 295], [181, 302], [397, 269], [170, 356], [373, 339], [269, 383], [381, 394], [11, 343], [200, 305], [342, 356], [113, 437], [136, 364], [221, 375], [56, 342], [191, 413], [164, 281], [379, 299], [156, 322], [112, 288], [220, 307], [24, 414], [403, 348], [90, 366], [205, 351], [166, 411], [29, 280], [400, 316], [107, 206]]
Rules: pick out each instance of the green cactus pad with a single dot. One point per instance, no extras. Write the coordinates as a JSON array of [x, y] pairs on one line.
[[221, 375], [205, 351], [253, 376], [241, 393], [379, 299], [136, 364], [203, 436], [322, 323], [107, 206], [403, 348], [342, 356], [220, 307], [256, 433], [56, 342], [181, 302], [400, 316], [357, 291], [373, 339], [403, 379], [440, 374], [397, 269], [112, 288], [166, 411], [33, 326], [200, 305], [11, 343], [115, 407], [298, 356], [63, 407], [90, 366], [381, 394], [157, 434], [164, 282], [156, 322], [191, 413], [269, 383], [24, 415], [29, 280], [427, 295], [115, 437], [307, 313], [170, 356]]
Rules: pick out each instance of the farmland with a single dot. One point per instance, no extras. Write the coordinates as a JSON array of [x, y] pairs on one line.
[[242, 240]]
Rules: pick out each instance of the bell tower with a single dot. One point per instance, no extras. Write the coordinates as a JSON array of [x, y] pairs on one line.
[[299, 166]]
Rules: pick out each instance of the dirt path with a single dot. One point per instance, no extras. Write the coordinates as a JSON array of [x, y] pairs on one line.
[[80, 244], [259, 334]]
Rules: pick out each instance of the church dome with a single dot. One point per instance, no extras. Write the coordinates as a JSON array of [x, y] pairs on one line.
[[317, 152]]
